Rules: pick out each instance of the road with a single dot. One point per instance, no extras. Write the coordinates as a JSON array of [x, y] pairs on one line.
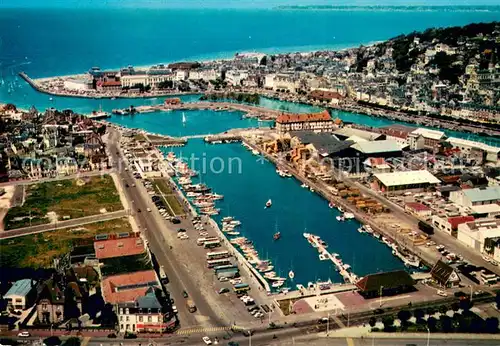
[[62, 224], [154, 228]]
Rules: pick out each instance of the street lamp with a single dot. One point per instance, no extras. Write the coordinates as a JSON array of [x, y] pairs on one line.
[[328, 325], [428, 335], [380, 294]]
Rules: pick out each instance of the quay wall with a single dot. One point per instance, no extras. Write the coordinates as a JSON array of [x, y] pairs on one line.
[[322, 191]]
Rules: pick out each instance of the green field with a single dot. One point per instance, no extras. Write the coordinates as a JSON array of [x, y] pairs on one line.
[[68, 199], [38, 250], [162, 188]]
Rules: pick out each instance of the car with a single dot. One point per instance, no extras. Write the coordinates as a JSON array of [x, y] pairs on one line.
[[185, 294], [323, 320], [224, 290], [378, 311], [23, 334], [181, 230], [442, 293], [252, 308], [223, 279], [207, 340], [175, 221], [174, 309], [148, 209], [233, 343]]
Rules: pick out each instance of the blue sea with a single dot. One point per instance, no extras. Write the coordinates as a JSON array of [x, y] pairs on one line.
[[47, 42]]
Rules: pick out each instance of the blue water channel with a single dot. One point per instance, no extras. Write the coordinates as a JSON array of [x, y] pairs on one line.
[[248, 181]]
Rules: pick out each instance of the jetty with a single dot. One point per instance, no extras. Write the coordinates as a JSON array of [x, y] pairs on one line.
[[343, 269]]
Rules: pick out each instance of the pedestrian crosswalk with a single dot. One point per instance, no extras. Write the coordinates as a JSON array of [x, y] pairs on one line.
[[188, 331]]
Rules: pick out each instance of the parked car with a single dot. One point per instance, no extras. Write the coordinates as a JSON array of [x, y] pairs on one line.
[[207, 340], [224, 290], [442, 293], [23, 334]]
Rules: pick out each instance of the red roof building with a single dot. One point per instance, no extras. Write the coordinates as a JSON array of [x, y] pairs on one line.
[[457, 220], [127, 287], [319, 122], [418, 209], [118, 247]]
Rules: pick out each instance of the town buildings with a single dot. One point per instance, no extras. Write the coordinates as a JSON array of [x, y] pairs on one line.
[[317, 122]]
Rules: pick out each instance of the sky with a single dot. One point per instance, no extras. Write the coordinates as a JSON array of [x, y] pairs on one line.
[[230, 3]]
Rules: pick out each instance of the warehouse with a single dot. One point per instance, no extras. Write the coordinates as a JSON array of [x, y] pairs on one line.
[[407, 180]]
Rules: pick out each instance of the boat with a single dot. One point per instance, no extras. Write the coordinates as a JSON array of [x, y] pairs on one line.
[[233, 233], [340, 218], [331, 205], [349, 216], [304, 186], [306, 235], [266, 269], [255, 152], [183, 118], [227, 219], [361, 229], [277, 235], [277, 284], [376, 235], [339, 208], [269, 203], [291, 274], [368, 229], [322, 257], [285, 290], [408, 259], [300, 287]]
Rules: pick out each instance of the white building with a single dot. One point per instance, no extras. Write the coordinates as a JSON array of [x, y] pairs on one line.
[[474, 234], [478, 196], [236, 78], [144, 79], [21, 294], [466, 146], [181, 75], [206, 75], [425, 139]]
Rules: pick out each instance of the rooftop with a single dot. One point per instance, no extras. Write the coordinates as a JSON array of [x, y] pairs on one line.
[[389, 280], [20, 288], [432, 134], [384, 146], [417, 206], [304, 117], [486, 208], [457, 220], [465, 142], [484, 225], [118, 247], [406, 178], [349, 131], [489, 193], [127, 287]]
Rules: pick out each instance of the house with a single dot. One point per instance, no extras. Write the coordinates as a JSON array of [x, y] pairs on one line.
[[476, 196], [125, 288], [113, 246], [425, 139], [418, 209], [377, 165], [51, 300], [399, 133], [149, 313], [474, 234], [326, 96], [450, 225], [390, 283], [21, 295], [445, 275], [406, 180], [317, 122]]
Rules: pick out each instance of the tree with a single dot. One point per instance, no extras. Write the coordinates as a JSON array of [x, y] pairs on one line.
[[443, 309], [455, 307], [491, 325], [465, 304], [446, 324], [73, 341], [432, 323], [372, 321], [52, 341], [388, 322], [404, 316], [419, 315], [497, 300]]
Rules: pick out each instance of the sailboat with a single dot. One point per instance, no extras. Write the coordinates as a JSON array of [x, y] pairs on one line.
[[183, 118], [277, 234], [291, 274], [269, 203]]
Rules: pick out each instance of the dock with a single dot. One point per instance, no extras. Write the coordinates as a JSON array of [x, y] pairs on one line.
[[342, 268]]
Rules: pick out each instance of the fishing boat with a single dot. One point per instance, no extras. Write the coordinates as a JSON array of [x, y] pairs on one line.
[[277, 235], [291, 274], [269, 203]]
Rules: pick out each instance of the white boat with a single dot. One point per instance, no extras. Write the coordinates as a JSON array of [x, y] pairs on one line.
[[323, 257], [361, 230], [233, 233], [340, 218], [304, 186], [183, 118], [277, 284], [368, 229], [269, 203], [349, 216], [235, 223], [300, 287], [255, 152], [306, 235], [227, 218], [291, 274]]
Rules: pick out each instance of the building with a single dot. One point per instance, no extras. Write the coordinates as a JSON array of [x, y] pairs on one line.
[[406, 180], [131, 244], [425, 139], [21, 295], [381, 284], [326, 96], [125, 288], [445, 275], [477, 196], [146, 79], [474, 233], [51, 300], [468, 147], [450, 225], [348, 132], [236, 78], [317, 122], [399, 133], [486, 210], [382, 148], [418, 209], [149, 313]]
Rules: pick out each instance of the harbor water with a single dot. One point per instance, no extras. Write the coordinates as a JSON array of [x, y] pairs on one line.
[[247, 181]]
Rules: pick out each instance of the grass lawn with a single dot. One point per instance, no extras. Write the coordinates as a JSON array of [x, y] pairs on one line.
[[38, 250], [162, 187], [69, 199]]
